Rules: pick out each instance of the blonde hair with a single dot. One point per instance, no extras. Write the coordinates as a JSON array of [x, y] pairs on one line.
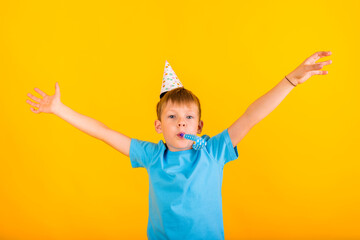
[[177, 96]]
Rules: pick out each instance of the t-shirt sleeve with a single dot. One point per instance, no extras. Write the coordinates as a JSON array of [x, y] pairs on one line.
[[221, 149], [141, 153]]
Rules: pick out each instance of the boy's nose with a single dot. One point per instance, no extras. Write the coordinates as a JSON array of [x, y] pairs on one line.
[[181, 124]]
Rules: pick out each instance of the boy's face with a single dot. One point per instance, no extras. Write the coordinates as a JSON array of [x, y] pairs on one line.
[[176, 119]]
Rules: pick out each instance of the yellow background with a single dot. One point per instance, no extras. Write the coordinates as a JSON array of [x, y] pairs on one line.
[[297, 175]]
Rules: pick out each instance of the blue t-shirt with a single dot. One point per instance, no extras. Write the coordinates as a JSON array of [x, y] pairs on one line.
[[184, 187]]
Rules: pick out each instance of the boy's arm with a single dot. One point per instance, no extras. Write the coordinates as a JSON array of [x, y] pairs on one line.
[[268, 102], [94, 128], [53, 105], [118, 141], [258, 110]]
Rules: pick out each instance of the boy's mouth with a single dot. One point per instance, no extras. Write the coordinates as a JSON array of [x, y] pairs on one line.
[[180, 134]]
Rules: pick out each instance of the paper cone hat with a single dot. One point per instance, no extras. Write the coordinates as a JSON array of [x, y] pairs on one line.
[[170, 80]]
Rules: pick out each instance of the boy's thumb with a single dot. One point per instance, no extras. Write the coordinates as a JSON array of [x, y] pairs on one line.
[[57, 88]]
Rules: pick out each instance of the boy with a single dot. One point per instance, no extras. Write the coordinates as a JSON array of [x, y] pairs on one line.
[[184, 179]]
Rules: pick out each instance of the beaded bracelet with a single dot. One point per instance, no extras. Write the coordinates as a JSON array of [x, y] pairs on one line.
[[290, 81]]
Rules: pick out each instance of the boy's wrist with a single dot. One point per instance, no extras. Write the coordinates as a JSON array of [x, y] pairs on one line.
[[292, 78], [57, 110]]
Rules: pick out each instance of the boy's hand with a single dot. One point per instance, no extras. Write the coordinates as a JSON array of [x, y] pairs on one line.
[[48, 104], [309, 68]]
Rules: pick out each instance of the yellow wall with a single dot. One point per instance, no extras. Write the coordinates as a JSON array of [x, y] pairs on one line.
[[297, 176]]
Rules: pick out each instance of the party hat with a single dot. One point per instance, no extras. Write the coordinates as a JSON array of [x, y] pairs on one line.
[[170, 80]]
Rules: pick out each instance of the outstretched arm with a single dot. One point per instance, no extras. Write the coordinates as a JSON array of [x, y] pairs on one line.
[[95, 129], [264, 105], [88, 125]]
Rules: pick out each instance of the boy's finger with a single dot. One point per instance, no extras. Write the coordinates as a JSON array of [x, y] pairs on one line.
[[40, 92], [57, 88], [33, 104], [319, 65], [34, 98], [319, 73], [326, 62], [316, 56], [34, 110]]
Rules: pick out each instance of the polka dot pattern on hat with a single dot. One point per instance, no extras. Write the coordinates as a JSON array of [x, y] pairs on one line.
[[170, 80]]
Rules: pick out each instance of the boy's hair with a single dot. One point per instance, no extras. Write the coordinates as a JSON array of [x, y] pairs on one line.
[[177, 96]]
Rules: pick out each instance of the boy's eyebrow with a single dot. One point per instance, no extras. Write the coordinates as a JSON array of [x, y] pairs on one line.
[[174, 110]]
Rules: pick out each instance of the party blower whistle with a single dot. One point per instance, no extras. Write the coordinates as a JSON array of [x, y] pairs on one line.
[[199, 142]]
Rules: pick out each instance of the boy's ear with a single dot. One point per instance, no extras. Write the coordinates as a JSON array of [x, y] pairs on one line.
[[200, 126], [158, 126]]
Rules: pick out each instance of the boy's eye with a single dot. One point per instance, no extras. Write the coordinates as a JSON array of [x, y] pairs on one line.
[[189, 117]]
